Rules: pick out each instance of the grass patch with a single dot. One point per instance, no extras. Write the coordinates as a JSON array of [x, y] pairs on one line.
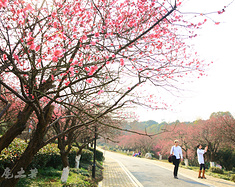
[[51, 177], [227, 175]]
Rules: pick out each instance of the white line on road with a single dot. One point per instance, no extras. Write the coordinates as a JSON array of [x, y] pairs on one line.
[[131, 177]]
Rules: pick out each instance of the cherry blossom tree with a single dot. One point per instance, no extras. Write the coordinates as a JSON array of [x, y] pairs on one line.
[[227, 126], [81, 136], [105, 52], [212, 132]]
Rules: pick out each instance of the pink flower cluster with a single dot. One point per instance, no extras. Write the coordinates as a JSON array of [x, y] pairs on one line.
[[30, 42], [3, 3], [92, 70], [57, 53]]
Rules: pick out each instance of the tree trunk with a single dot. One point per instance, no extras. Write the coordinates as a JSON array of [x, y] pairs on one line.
[[78, 155], [65, 163], [17, 128], [35, 144], [186, 162], [77, 161]]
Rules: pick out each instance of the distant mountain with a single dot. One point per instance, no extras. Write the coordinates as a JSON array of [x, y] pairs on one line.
[[149, 123], [149, 126]]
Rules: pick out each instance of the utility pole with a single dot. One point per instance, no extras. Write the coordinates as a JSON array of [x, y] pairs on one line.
[[94, 155]]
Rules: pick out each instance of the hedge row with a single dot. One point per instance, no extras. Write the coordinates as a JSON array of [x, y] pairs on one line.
[[48, 156]]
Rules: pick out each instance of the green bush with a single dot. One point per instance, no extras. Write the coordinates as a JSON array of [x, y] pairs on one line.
[[54, 161], [226, 158], [14, 150], [193, 162], [216, 170], [233, 170], [233, 178], [99, 154], [50, 172], [10, 154], [87, 155], [48, 156]]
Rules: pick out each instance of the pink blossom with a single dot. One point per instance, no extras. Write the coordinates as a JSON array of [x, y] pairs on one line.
[[4, 56], [53, 14], [71, 69], [89, 80], [113, 55], [93, 43], [16, 57], [28, 7], [3, 3], [37, 48], [57, 52], [100, 92], [97, 34], [121, 62], [92, 70], [30, 40], [54, 59], [87, 69], [67, 83], [32, 47], [52, 77], [84, 37], [55, 24]]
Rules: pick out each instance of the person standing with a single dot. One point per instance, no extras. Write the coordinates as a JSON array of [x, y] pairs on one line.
[[200, 155], [177, 151]]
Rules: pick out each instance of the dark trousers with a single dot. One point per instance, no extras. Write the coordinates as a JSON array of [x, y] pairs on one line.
[[176, 163], [202, 166]]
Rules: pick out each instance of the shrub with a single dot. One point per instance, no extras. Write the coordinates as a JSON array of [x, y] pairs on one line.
[[14, 150], [99, 154], [182, 163], [216, 170], [193, 162], [226, 158], [48, 156], [10, 154], [54, 161], [233, 178], [50, 172], [87, 155]]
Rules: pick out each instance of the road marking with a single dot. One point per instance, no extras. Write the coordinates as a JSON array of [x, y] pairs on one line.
[[131, 177]]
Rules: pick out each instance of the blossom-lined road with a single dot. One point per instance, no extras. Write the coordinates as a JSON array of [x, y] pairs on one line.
[[150, 174]]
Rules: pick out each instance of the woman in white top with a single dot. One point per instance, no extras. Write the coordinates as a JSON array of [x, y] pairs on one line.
[[177, 151], [200, 153]]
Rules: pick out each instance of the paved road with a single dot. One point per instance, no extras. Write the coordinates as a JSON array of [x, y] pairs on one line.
[[150, 174]]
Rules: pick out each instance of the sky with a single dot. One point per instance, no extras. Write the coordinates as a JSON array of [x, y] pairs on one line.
[[216, 91]]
